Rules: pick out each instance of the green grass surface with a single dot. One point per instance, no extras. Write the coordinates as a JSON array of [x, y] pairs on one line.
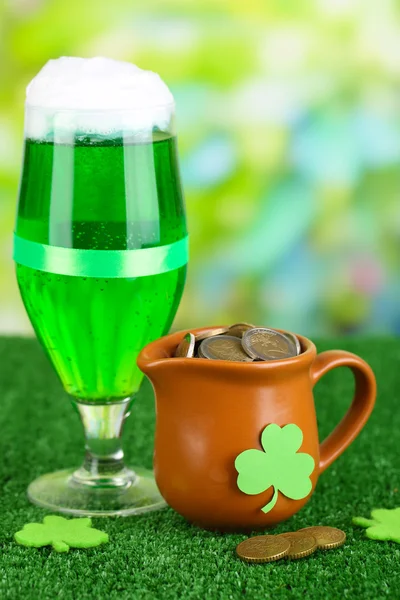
[[161, 556]]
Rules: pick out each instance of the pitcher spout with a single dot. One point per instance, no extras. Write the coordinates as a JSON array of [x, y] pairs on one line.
[[158, 357]]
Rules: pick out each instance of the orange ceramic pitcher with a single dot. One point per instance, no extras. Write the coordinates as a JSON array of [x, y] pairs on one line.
[[236, 444]]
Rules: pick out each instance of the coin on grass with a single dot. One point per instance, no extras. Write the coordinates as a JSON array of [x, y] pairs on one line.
[[267, 344], [186, 347], [295, 340], [302, 544], [238, 329], [263, 548], [327, 538], [223, 347], [206, 333]]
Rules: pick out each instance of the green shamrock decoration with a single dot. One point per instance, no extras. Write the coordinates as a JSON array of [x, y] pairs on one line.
[[280, 465], [384, 525], [61, 534]]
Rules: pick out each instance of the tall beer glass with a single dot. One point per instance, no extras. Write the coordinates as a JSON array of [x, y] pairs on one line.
[[101, 250]]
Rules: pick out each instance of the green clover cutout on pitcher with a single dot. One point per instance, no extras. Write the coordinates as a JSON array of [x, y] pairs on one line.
[[280, 465]]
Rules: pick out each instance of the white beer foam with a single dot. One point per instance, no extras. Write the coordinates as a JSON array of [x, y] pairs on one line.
[[71, 95]]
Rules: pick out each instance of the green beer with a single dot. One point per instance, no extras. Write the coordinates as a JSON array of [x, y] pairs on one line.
[[102, 194], [100, 248]]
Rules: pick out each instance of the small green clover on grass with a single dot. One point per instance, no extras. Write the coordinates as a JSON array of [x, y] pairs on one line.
[[280, 465], [384, 525], [61, 534]]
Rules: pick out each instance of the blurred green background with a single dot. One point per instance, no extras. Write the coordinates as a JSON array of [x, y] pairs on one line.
[[289, 132]]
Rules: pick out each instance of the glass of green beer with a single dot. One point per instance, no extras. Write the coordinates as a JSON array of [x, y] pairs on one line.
[[101, 250]]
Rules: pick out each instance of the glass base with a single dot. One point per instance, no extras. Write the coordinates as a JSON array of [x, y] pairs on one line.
[[63, 492]]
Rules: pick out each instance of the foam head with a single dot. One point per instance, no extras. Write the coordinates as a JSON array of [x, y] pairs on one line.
[[86, 94]]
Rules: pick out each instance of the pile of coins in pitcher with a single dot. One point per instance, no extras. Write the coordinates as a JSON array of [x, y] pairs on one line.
[[241, 342], [293, 545]]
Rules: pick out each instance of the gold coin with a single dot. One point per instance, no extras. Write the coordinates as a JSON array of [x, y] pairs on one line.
[[295, 340], [238, 329], [199, 353], [301, 544], [223, 347], [263, 548], [268, 344], [213, 331], [327, 538], [186, 347]]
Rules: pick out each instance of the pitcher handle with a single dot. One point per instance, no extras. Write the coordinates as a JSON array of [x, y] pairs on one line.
[[360, 409]]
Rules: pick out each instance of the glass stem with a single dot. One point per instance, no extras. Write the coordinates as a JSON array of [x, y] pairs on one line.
[[104, 457]]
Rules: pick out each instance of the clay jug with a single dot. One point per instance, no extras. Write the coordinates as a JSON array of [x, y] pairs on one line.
[[236, 444]]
